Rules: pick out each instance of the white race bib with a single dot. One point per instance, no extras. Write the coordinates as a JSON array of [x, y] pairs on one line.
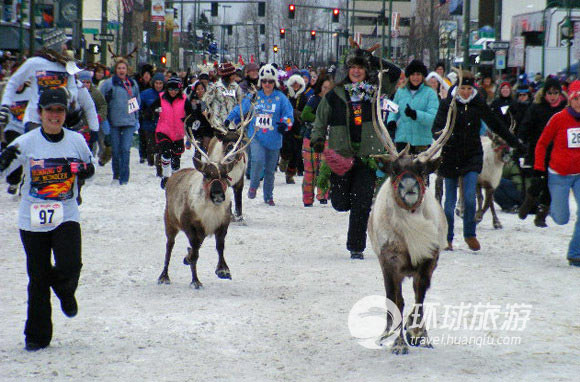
[[264, 121], [574, 138], [390, 106], [46, 214], [133, 105]]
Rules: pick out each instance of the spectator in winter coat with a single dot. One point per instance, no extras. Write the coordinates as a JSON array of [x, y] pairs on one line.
[[170, 132], [94, 137], [345, 115], [123, 100], [251, 77], [222, 97], [520, 106], [312, 160], [199, 125], [273, 116], [502, 105], [563, 170], [418, 105], [149, 118], [290, 154], [548, 101], [462, 155]]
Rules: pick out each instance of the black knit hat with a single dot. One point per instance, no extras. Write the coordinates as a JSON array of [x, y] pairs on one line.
[[357, 60], [552, 83], [416, 66], [173, 83]]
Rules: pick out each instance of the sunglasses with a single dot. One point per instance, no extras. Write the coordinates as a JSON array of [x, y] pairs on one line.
[[268, 81]]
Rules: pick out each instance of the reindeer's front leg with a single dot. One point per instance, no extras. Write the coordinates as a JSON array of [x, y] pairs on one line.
[[238, 190], [480, 205], [192, 255], [222, 271], [489, 196], [393, 279], [416, 331]]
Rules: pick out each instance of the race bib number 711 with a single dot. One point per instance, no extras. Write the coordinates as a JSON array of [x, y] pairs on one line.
[[46, 214]]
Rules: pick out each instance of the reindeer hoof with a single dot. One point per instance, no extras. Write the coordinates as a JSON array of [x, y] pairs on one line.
[[458, 212], [196, 284], [418, 337], [497, 225], [163, 279], [223, 274], [400, 347], [187, 259]]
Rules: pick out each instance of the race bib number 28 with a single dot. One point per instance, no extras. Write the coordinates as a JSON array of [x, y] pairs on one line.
[[46, 214], [574, 138]]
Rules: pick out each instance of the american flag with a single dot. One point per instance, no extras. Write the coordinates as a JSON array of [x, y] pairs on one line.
[[128, 5]]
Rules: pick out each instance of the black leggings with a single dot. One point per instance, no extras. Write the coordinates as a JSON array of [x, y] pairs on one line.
[[354, 191], [170, 149], [65, 244]]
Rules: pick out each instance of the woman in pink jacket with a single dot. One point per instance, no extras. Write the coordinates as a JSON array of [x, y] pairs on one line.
[[563, 131], [169, 133]]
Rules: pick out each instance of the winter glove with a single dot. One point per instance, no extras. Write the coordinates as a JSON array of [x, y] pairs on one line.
[[107, 140], [82, 170], [282, 127], [392, 128], [4, 114], [539, 174], [411, 113], [8, 155], [318, 146]]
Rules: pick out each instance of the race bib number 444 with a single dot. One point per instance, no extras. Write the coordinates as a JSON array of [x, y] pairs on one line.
[[264, 121], [574, 138], [46, 214]]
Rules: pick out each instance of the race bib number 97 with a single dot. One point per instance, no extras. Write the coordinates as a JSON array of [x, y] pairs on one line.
[[574, 138], [46, 214]]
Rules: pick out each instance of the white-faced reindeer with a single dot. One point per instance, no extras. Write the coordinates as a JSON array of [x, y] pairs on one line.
[[198, 202], [407, 227], [496, 153]]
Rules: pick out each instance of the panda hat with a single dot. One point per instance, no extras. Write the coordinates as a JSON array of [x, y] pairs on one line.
[[268, 72]]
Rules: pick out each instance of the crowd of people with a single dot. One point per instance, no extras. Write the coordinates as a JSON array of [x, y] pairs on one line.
[[306, 122]]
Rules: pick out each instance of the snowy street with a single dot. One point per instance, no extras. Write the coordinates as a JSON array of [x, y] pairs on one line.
[[284, 315]]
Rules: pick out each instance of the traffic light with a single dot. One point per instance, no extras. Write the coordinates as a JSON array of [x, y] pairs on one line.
[[261, 9], [282, 33], [275, 49], [291, 10], [230, 30], [262, 29], [335, 15], [163, 60], [94, 48], [175, 13], [313, 35], [214, 9]]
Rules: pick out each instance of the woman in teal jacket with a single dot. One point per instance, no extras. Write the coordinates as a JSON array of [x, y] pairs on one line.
[[418, 105]]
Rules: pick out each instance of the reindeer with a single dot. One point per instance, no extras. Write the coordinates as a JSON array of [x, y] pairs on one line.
[[198, 202], [496, 153], [407, 227]]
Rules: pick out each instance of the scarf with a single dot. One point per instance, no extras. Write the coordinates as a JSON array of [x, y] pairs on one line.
[[573, 113], [360, 91]]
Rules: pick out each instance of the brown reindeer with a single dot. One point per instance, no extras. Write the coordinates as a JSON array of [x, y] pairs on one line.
[[198, 202], [407, 227]]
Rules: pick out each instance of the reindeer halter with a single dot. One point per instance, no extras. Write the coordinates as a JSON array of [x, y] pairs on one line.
[[396, 183]]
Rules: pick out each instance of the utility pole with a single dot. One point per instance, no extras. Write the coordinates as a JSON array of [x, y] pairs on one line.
[[466, 30], [104, 30], [32, 29]]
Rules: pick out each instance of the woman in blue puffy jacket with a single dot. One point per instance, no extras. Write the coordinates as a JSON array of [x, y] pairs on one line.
[[418, 105], [273, 115]]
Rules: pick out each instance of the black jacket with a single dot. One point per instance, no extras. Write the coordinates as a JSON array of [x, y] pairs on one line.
[[500, 102], [536, 118], [463, 152]]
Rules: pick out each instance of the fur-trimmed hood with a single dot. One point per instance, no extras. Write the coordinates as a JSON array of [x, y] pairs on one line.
[[296, 78]]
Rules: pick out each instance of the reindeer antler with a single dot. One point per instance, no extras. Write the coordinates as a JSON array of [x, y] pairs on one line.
[[246, 119], [113, 55]]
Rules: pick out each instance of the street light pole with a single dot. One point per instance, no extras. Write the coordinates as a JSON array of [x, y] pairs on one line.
[[466, 30]]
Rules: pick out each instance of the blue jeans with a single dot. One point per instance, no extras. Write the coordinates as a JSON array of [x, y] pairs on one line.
[[469, 183], [121, 139], [560, 186], [507, 195], [263, 161]]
